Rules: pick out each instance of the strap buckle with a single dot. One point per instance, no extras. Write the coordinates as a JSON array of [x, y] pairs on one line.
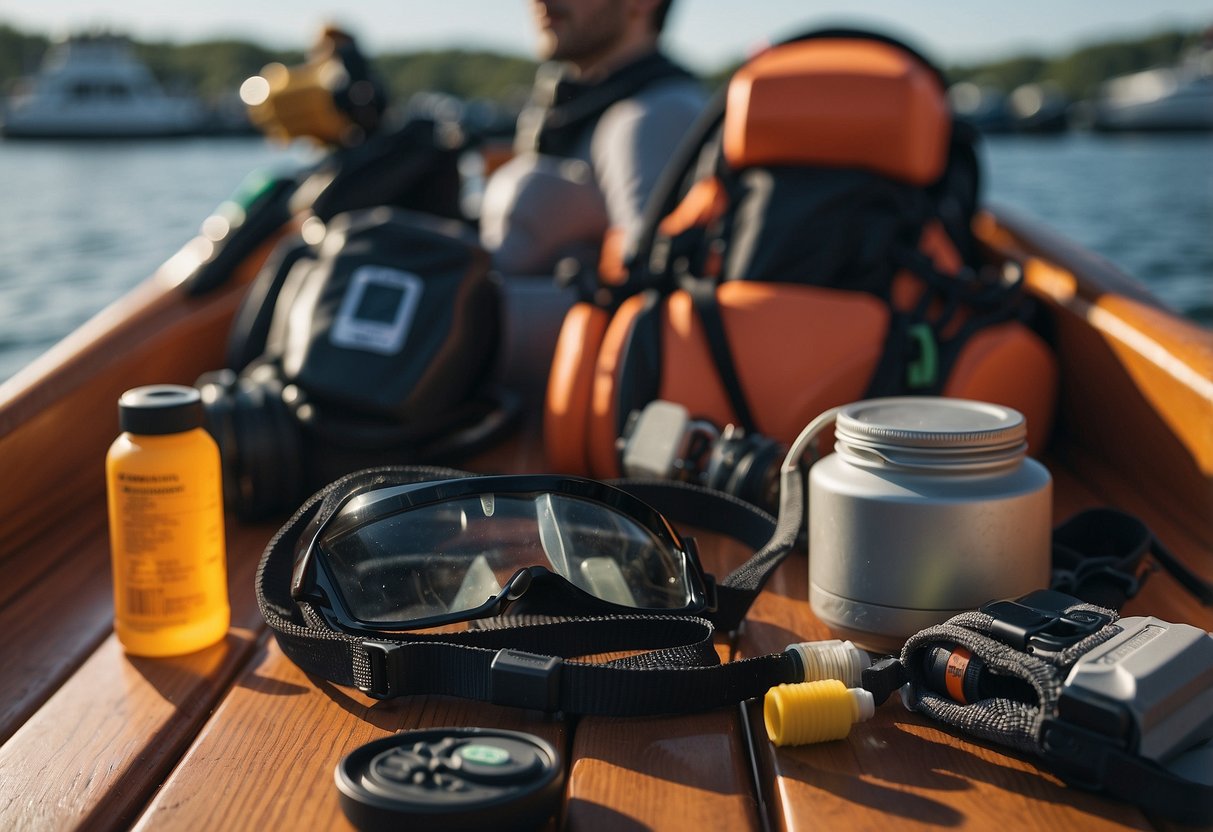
[[525, 680], [386, 665], [1042, 622]]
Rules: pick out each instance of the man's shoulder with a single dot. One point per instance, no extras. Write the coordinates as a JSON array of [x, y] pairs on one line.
[[668, 104], [683, 92]]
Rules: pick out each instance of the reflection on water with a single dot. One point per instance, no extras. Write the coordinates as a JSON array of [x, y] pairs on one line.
[[80, 223], [1143, 202]]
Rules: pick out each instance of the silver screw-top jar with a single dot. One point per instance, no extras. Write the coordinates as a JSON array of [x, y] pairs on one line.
[[929, 507]]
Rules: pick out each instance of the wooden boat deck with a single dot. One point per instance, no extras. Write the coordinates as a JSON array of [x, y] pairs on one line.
[[236, 737]]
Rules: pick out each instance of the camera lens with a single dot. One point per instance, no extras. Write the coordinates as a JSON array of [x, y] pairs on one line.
[[258, 441], [746, 466]]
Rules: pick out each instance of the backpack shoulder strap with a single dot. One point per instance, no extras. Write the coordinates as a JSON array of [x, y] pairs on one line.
[[703, 298]]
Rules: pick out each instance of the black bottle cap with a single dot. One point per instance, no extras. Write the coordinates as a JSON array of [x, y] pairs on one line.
[[160, 409], [451, 779]]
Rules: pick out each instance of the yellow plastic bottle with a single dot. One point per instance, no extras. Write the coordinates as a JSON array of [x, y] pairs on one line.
[[164, 485]]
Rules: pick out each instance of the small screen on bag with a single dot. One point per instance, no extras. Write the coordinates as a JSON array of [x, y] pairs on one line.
[[379, 303]]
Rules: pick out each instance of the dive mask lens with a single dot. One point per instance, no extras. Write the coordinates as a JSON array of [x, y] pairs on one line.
[[421, 555]]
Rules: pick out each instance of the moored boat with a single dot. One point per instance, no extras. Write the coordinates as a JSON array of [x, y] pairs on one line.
[[1170, 98], [93, 86]]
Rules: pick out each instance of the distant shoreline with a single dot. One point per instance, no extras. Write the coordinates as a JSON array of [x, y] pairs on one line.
[[215, 68]]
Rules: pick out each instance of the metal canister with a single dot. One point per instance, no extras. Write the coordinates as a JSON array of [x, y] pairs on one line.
[[928, 507]]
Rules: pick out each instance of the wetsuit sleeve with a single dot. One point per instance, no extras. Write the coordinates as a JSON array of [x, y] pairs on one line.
[[632, 143]]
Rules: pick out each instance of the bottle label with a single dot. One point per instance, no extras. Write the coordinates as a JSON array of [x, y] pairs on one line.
[[169, 529]]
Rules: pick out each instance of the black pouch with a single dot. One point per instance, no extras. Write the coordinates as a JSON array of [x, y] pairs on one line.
[[391, 313], [375, 342]]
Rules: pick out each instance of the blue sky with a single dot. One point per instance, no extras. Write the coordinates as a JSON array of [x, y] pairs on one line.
[[705, 33]]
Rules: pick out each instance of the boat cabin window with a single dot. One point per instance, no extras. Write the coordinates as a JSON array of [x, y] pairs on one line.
[[86, 90]]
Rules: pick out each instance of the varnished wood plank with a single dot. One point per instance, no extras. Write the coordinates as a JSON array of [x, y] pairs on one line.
[[1070, 494], [27, 566], [683, 772], [680, 772], [1105, 412], [56, 621], [92, 755], [1136, 384], [266, 758], [60, 619], [899, 772]]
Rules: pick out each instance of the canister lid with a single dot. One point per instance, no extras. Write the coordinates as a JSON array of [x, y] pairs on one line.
[[160, 409], [451, 779], [939, 424]]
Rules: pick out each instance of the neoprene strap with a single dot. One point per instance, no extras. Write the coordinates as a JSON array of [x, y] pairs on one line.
[[1099, 556]]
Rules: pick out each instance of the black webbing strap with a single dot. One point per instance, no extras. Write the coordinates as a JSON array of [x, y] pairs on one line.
[[703, 298], [526, 662], [723, 514], [529, 665], [1090, 761], [1099, 555]]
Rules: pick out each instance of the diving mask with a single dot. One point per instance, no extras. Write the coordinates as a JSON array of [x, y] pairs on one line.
[[352, 582], [420, 554]]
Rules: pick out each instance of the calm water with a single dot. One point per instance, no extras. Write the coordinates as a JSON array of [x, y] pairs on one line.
[[82, 223]]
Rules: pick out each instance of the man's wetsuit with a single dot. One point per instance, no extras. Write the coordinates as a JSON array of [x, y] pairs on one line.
[[587, 158]]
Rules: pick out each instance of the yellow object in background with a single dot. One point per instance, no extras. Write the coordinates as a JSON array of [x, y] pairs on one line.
[[811, 712], [288, 103], [165, 492]]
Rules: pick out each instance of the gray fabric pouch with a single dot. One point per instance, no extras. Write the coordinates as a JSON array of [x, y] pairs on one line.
[[1009, 721]]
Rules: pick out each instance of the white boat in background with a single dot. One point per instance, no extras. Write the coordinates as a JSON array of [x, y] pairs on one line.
[[93, 86], [1166, 98]]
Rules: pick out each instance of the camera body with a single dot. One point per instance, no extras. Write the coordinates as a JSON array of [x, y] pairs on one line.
[[1120, 706], [1148, 689], [663, 441]]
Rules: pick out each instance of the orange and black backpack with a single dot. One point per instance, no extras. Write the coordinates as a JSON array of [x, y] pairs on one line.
[[809, 246]]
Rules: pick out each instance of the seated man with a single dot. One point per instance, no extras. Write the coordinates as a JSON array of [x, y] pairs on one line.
[[606, 113]]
